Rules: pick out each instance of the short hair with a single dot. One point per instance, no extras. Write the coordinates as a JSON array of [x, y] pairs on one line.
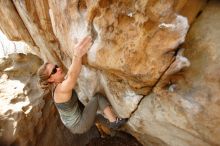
[[43, 77]]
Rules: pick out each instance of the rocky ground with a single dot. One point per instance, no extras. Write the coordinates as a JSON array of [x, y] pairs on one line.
[[121, 139]]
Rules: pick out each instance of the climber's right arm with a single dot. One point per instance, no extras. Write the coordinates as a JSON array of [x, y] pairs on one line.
[[74, 70]]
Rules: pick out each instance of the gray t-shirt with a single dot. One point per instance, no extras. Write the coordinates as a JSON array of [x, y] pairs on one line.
[[69, 111]]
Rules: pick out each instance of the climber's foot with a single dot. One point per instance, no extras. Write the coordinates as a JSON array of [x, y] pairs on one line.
[[118, 123]]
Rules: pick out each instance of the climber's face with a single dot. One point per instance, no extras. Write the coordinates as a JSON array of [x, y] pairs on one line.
[[55, 73]]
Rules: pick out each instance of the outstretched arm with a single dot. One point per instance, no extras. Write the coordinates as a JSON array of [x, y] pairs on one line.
[[75, 68], [73, 72]]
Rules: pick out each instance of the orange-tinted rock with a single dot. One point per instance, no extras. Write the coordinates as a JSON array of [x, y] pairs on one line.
[[136, 59]]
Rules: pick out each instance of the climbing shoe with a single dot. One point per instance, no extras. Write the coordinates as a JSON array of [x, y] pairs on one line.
[[118, 123]]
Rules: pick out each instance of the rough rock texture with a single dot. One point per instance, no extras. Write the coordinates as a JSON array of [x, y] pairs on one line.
[[187, 113], [136, 59], [27, 115]]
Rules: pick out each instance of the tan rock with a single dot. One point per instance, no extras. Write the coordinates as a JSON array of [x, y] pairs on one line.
[[25, 117], [135, 59], [186, 112]]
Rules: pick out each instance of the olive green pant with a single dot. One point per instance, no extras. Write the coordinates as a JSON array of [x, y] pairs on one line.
[[88, 114]]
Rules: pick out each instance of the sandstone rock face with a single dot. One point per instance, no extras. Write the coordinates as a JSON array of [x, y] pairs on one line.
[[136, 59], [187, 113], [25, 117]]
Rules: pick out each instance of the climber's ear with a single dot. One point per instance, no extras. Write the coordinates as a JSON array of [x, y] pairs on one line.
[[50, 80]]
